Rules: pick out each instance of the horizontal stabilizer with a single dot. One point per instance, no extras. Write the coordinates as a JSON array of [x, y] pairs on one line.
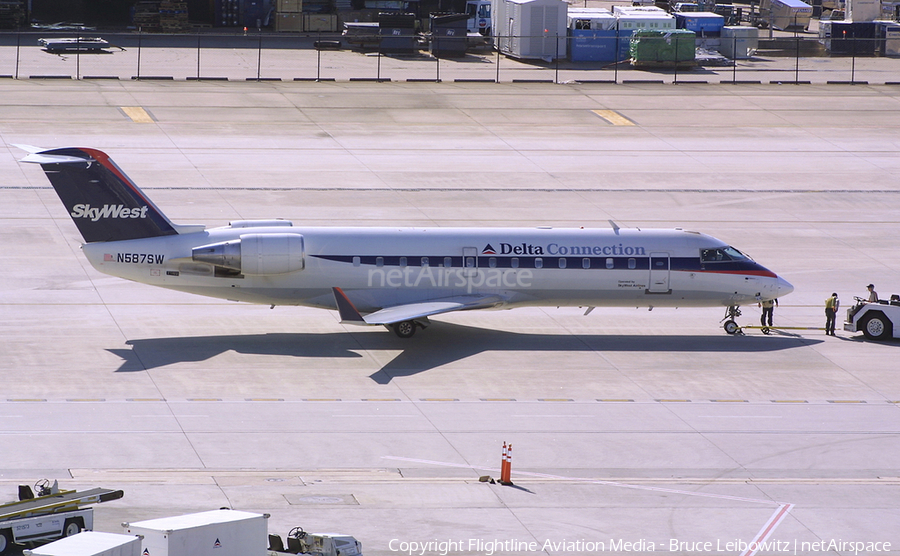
[[40, 158]]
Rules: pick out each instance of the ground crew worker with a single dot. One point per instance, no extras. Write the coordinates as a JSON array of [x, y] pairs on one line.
[[768, 308], [831, 308], [873, 295]]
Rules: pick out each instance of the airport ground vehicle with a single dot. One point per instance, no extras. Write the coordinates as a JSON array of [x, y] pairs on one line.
[[479, 12], [317, 544], [877, 321], [52, 514]]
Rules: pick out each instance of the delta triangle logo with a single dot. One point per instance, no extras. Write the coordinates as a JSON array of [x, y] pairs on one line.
[[488, 250], [217, 544]]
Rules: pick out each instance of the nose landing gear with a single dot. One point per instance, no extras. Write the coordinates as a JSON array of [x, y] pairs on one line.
[[730, 326]]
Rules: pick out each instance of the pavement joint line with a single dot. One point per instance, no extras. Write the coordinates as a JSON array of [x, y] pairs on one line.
[[614, 400], [846, 401], [730, 401], [667, 400], [789, 401]]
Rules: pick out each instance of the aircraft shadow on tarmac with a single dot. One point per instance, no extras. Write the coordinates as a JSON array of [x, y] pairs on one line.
[[441, 344]]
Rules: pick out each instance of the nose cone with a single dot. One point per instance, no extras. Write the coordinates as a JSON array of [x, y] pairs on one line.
[[783, 287]]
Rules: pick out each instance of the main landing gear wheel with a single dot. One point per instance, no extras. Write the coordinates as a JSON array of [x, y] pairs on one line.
[[732, 327], [404, 329]]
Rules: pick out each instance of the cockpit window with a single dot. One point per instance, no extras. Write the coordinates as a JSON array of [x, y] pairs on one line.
[[721, 254]]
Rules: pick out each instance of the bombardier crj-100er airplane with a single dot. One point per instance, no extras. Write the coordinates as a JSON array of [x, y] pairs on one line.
[[396, 277]]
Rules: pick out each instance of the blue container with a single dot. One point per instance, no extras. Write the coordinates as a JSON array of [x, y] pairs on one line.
[[592, 45], [704, 24]]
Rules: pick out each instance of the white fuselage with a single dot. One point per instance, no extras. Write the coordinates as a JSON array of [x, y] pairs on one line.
[[383, 267]]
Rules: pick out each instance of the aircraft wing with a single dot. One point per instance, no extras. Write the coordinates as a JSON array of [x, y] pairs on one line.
[[411, 311]]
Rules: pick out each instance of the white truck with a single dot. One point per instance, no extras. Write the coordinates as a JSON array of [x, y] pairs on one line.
[[877, 321], [479, 12], [50, 515]]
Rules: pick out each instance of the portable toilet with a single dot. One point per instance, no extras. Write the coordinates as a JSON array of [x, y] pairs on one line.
[[592, 35], [530, 29]]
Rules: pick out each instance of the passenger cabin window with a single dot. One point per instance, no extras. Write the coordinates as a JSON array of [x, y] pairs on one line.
[[470, 262], [632, 264], [585, 263], [379, 261], [514, 262], [538, 262], [492, 262], [424, 261], [610, 263], [402, 261], [448, 262], [355, 261], [562, 262]]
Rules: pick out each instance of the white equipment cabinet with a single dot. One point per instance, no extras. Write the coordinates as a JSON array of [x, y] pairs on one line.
[[213, 533], [91, 543]]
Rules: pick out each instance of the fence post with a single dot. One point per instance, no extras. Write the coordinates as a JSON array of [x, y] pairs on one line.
[[140, 36], [259, 55], [676, 58], [734, 60], [18, 41], [556, 55], [497, 46]]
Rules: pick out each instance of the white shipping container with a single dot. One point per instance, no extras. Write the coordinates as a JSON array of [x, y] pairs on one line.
[[530, 28], [91, 543], [214, 533]]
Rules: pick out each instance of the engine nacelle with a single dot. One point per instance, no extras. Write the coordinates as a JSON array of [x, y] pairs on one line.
[[255, 254]]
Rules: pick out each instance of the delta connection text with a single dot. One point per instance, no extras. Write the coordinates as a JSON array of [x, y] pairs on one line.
[[490, 547]]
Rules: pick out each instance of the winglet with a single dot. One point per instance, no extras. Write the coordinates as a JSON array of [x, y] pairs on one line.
[[615, 226], [348, 312]]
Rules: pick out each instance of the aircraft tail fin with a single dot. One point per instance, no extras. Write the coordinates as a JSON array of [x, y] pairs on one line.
[[103, 202]]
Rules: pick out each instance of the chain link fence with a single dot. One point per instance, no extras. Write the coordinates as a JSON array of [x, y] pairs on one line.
[[327, 57]]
